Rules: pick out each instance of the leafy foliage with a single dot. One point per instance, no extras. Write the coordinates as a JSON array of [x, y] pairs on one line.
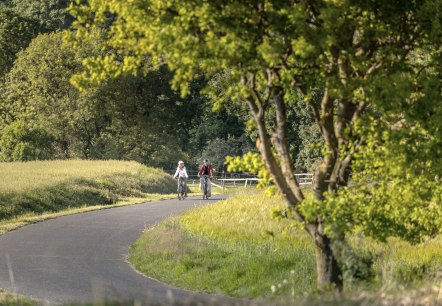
[[131, 117], [16, 32], [50, 14], [252, 163], [218, 149], [19, 141]]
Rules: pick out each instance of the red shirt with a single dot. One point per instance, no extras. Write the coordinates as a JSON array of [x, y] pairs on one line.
[[205, 170]]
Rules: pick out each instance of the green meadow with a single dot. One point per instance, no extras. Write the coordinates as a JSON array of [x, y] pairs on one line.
[[25, 176], [32, 191], [245, 247]]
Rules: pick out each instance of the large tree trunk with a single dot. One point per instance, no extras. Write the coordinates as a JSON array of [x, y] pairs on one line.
[[328, 271], [327, 268]]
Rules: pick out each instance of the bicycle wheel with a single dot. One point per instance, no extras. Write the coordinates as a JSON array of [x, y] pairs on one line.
[[183, 191], [180, 191], [205, 189]]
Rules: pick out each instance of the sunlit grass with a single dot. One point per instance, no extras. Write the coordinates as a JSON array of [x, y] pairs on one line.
[[234, 247], [34, 191], [175, 256], [245, 217], [398, 261], [239, 247], [14, 299], [24, 176]]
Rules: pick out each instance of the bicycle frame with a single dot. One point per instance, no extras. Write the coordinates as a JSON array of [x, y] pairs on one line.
[[181, 188], [205, 184]]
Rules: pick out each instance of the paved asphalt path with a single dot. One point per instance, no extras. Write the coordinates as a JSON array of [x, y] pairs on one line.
[[82, 257]]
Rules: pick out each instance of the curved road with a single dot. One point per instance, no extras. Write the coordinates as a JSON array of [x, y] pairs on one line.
[[82, 257]]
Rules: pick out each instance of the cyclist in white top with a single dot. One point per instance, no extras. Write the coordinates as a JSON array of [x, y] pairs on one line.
[[181, 172]]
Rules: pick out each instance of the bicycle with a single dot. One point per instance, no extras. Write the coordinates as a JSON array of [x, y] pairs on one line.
[[205, 186], [181, 188]]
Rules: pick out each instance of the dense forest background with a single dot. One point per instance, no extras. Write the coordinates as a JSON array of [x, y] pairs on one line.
[[133, 117]]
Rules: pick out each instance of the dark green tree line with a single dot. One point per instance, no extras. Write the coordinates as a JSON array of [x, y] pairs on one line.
[[137, 117], [44, 117]]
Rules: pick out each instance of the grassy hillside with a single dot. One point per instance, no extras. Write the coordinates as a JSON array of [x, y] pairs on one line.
[[243, 247], [31, 189], [25, 176]]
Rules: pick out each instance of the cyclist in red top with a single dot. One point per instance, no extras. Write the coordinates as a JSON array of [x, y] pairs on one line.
[[206, 169]]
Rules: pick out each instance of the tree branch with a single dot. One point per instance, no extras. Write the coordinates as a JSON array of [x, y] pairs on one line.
[[264, 147], [282, 145], [324, 172], [262, 105], [316, 113]]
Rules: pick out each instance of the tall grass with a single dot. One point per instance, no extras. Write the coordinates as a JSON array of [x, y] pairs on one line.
[[25, 176], [240, 247], [238, 269], [7, 299], [232, 247], [35, 188], [400, 262]]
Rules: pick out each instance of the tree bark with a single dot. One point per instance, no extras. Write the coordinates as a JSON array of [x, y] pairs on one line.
[[282, 147], [326, 179], [327, 268]]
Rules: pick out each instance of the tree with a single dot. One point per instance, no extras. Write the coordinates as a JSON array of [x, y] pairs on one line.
[[146, 120], [362, 56], [218, 149], [228, 123], [37, 89], [16, 32], [51, 15], [303, 134], [21, 141], [137, 117]]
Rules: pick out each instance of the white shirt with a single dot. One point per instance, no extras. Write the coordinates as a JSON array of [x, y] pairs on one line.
[[181, 172]]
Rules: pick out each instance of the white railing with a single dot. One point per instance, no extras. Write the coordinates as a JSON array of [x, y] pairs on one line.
[[304, 179], [247, 181], [242, 179]]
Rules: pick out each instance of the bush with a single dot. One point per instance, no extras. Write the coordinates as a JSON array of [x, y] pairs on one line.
[[22, 142]]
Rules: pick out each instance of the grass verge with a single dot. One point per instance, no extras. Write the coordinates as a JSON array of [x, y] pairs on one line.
[[13, 299], [236, 247], [225, 249]]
